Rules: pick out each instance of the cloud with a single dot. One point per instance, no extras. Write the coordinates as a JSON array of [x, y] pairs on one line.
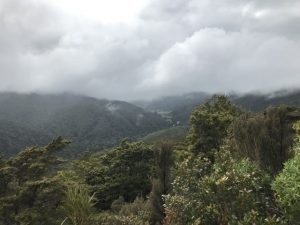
[[173, 47], [214, 60]]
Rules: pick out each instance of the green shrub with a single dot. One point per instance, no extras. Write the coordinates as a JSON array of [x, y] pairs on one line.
[[227, 192], [287, 187], [135, 213]]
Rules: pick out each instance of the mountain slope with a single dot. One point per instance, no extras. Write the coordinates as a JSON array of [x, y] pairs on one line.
[[255, 102], [171, 103], [91, 124], [14, 137], [180, 107], [175, 134]]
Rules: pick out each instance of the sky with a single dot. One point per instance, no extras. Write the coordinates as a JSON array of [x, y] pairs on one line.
[[143, 49]]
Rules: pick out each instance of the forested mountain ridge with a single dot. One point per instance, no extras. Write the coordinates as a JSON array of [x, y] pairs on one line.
[[233, 167], [258, 102], [92, 124], [179, 108], [170, 103]]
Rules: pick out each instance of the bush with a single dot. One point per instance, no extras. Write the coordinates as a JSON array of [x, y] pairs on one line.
[[266, 138], [227, 192], [209, 124], [135, 213], [122, 171], [287, 187]]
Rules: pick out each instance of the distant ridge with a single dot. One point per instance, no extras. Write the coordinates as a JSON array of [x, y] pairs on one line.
[[179, 108], [92, 124], [258, 102]]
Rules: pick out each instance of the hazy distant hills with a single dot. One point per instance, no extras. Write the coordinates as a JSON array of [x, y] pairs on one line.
[[92, 124], [175, 108], [179, 108], [171, 103], [256, 102]]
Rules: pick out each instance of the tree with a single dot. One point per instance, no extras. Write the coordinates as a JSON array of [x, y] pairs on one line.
[[30, 185], [266, 137], [161, 183], [209, 124], [227, 191], [287, 187], [123, 171]]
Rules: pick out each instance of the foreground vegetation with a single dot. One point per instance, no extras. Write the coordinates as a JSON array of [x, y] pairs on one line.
[[234, 167]]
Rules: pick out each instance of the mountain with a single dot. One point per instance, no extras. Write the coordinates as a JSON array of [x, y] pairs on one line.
[[179, 108], [175, 109], [258, 102], [171, 103], [92, 124], [14, 137], [174, 134]]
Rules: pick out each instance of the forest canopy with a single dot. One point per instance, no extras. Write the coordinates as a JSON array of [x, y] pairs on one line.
[[233, 167]]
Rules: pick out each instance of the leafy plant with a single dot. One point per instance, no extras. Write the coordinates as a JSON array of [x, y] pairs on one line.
[[287, 187], [209, 124], [226, 192], [78, 206]]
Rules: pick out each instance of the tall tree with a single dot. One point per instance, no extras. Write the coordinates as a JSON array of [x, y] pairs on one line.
[[228, 191], [209, 124], [161, 183], [266, 137], [287, 185], [31, 185], [122, 171]]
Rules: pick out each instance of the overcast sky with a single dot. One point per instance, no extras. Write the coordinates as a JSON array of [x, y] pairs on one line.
[[134, 49]]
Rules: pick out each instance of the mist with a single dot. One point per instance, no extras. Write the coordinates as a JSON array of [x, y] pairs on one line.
[[166, 48]]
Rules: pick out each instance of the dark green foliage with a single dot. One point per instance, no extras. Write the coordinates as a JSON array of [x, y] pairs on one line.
[[209, 124], [226, 192], [34, 162], [220, 174], [123, 171], [161, 183], [117, 204], [156, 203], [28, 186], [14, 137], [92, 124], [135, 213], [265, 137]]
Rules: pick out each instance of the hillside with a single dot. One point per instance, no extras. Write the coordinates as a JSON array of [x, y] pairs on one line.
[[180, 107], [175, 134], [171, 103], [258, 102], [91, 124]]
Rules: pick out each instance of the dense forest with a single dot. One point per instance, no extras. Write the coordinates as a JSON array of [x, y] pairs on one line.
[[92, 124], [97, 124], [233, 166]]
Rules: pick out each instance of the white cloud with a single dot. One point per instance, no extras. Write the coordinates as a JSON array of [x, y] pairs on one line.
[[214, 60], [169, 47], [112, 11]]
